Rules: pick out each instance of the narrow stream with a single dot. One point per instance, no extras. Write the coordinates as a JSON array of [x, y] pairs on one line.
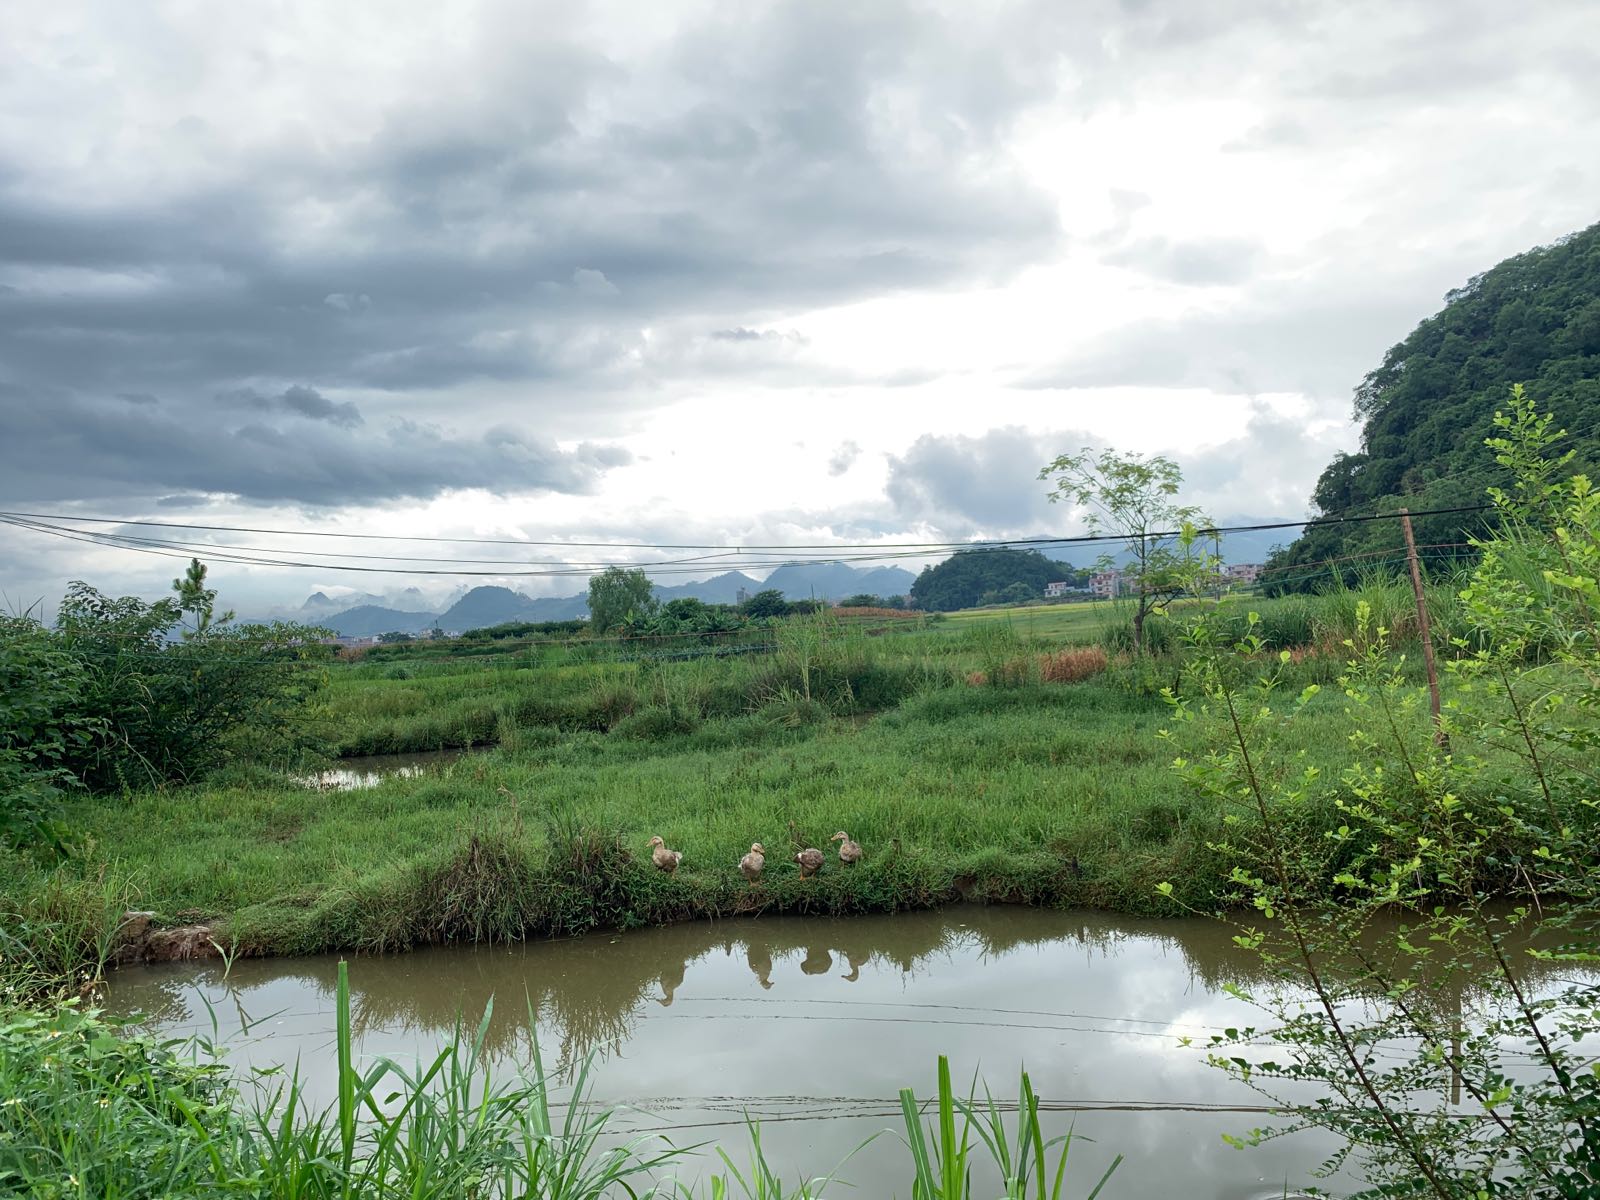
[[812, 1025]]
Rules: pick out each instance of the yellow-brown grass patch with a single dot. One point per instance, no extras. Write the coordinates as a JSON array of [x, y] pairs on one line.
[[1072, 665]]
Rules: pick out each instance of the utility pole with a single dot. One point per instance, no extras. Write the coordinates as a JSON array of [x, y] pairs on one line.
[[1439, 738]]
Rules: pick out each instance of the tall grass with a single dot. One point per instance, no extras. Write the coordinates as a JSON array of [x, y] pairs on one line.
[[59, 928], [91, 1110], [942, 1155]]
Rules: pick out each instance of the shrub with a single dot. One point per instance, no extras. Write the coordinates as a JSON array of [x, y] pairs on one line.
[[657, 721]]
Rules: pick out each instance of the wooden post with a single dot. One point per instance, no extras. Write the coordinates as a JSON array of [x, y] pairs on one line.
[[1439, 738]]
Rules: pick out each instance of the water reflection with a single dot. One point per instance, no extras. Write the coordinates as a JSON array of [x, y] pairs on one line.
[[814, 1024]]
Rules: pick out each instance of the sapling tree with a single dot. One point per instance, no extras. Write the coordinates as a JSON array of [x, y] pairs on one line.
[[1133, 498], [198, 601], [1428, 914]]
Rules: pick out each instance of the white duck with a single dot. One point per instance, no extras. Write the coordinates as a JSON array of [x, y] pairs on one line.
[[752, 864]]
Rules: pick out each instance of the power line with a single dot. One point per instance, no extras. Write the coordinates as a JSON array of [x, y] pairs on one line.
[[846, 552]]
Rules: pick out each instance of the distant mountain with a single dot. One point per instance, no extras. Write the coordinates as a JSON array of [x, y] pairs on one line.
[[322, 602], [491, 605], [484, 606], [836, 580], [719, 589], [369, 620], [558, 608], [1254, 547]]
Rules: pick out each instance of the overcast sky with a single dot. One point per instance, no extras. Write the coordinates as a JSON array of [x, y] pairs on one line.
[[741, 272]]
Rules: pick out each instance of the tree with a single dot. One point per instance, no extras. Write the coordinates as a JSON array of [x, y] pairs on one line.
[[618, 593], [1017, 593], [1133, 498], [394, 637], [687, 611], [862, 600], [199, 601], [766, 603]]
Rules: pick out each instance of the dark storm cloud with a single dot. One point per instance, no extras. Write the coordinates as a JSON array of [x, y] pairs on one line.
[[303, 402], [986, 484], [782, 183], [120, 451], [524, 210], [521, 229]]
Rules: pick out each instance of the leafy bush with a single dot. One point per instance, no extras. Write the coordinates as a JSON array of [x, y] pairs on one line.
[[121, 692], [91, 1111], [167, 709], [43, 725]]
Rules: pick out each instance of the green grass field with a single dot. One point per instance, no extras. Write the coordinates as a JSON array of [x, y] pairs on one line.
[[999, 791], [1051, 794], [1081, 622]]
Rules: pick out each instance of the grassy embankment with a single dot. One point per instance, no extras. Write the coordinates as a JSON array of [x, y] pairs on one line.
[[945, 750]]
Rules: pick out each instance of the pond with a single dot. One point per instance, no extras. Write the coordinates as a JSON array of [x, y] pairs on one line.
[[373, 769], [812, 1025]]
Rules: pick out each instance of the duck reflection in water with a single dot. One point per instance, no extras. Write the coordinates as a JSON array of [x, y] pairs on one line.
[[818, 960], [671, 981], [759, 957]]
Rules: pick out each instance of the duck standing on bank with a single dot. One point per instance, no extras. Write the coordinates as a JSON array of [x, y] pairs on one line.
[[752, 864], [810, 860], [849, 851], [664, 859]]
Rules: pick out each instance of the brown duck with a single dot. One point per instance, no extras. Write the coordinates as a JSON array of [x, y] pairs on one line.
[[849, 851], [810, 860], [664, 859]]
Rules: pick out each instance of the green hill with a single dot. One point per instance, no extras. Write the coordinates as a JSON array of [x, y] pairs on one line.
[[989, 575], [1535, 320]]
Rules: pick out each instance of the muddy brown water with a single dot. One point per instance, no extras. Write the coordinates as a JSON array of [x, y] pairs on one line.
[[813, 1025]]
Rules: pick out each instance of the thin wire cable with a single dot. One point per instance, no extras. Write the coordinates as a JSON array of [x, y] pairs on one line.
[[1206, 531]]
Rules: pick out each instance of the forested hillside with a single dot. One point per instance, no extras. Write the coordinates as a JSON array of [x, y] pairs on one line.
[[989, 576], [1533, 319]]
